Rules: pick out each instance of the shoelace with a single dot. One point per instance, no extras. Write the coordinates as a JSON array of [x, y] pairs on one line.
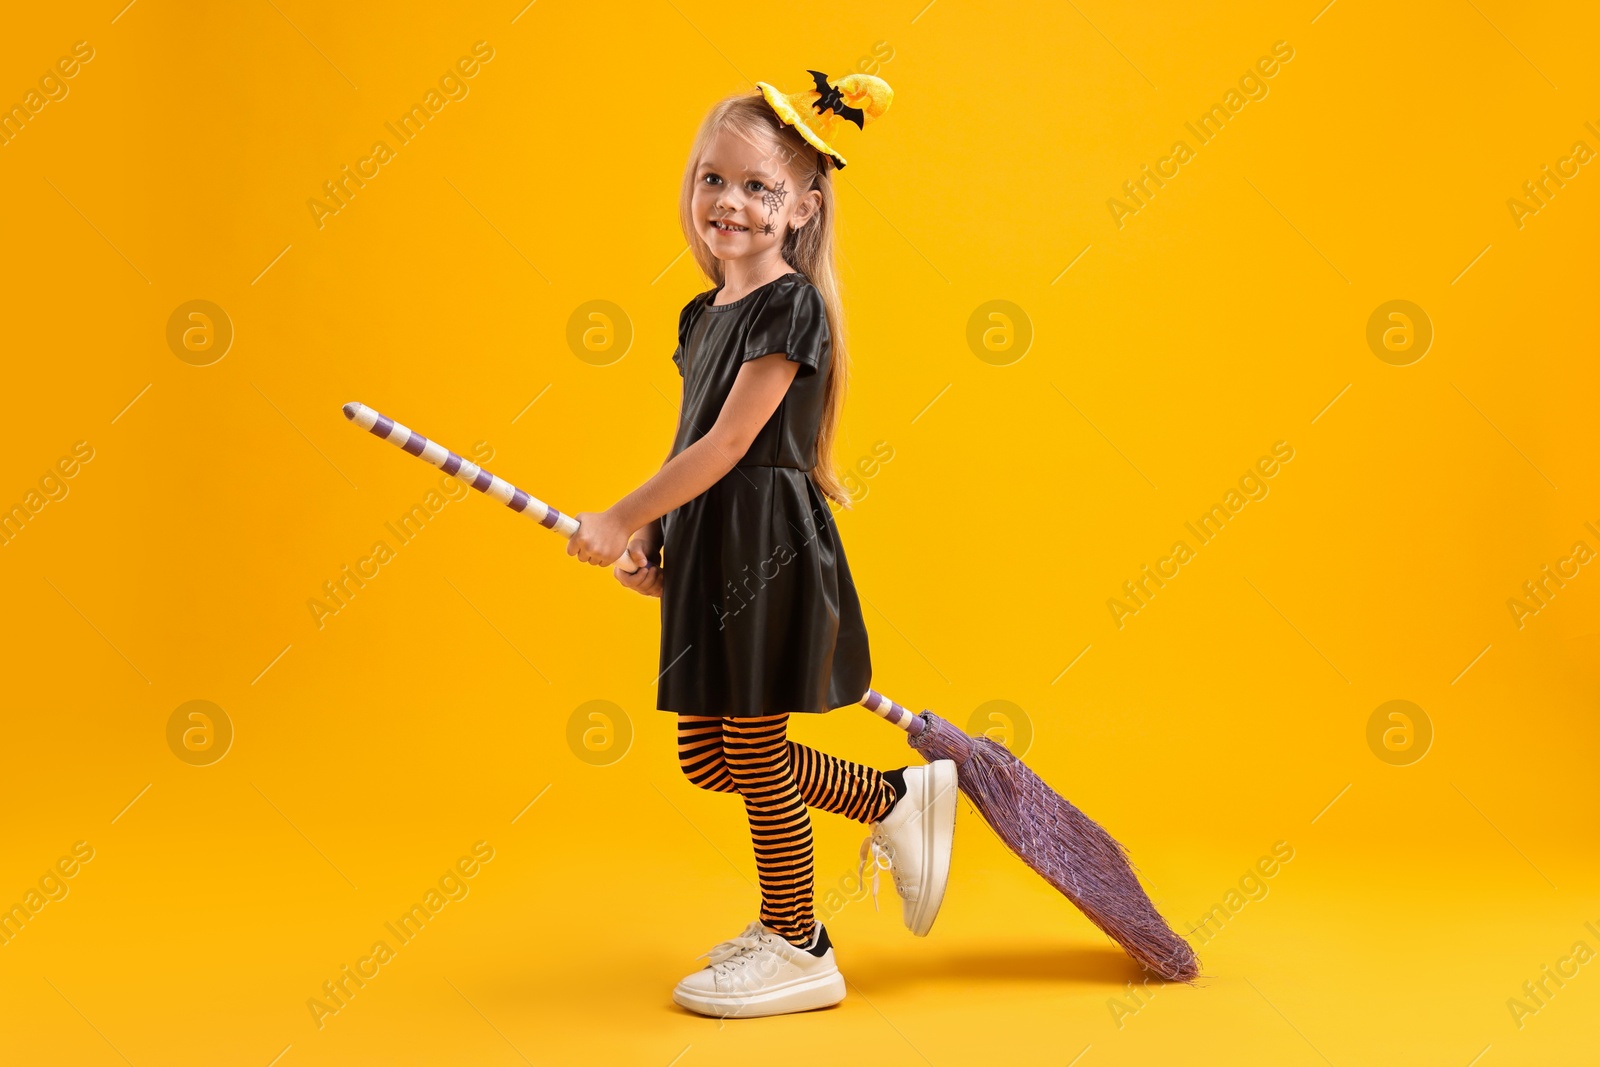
[[736, 951], [882, 860]]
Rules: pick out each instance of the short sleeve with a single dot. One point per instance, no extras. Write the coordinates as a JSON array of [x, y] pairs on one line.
[[685, 317], [794, 320]]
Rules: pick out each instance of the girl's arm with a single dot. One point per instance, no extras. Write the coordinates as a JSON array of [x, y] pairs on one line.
[[757, 391]]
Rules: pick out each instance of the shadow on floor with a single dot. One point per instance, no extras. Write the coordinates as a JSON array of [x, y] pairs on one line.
[[913, 966]]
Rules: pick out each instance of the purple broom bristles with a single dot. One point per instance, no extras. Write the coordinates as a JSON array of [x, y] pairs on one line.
[[1067, 848]]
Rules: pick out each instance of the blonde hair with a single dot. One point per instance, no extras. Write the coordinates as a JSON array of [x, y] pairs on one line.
[[808, 249]]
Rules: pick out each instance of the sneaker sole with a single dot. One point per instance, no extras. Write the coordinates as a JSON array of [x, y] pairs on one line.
[[823, 991], [938, 833]]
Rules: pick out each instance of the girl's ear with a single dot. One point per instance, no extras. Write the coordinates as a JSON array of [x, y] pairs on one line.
[[804, 208]]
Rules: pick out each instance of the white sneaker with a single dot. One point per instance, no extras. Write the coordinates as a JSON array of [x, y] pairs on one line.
[[914, 839], [760, 973]]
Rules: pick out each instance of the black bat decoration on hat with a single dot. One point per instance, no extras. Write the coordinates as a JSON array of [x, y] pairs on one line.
[[832, 98]]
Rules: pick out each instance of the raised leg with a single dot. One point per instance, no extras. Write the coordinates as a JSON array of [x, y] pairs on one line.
[[841, 786]]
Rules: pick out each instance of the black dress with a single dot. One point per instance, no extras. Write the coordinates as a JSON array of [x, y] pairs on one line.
[[758, 611]]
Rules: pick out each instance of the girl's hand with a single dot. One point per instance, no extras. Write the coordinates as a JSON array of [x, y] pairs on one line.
[[647, 580], [600, 539]]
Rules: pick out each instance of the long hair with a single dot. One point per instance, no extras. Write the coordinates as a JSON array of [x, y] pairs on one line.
[[808, 249]]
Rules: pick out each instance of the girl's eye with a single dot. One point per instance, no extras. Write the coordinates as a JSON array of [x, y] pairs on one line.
[[755, 186]]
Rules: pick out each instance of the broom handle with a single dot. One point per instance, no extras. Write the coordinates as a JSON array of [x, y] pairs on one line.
[[888, 710], [485, 482], [497, 488]]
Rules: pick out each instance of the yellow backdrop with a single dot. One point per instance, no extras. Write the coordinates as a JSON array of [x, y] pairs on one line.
[[1222, 428]]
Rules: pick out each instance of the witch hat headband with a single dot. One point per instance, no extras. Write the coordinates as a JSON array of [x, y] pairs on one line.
[[816, 112]]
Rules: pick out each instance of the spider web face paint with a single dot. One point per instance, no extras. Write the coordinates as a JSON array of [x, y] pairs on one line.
[[773, 200]]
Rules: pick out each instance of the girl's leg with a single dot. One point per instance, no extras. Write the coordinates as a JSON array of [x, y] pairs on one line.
[[757, 756], [853, 790], [700, 753]]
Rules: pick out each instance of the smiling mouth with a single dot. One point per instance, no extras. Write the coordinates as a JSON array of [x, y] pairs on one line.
[[727, 227]]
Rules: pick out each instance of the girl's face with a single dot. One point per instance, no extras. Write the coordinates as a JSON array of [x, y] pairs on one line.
[[745, 199]]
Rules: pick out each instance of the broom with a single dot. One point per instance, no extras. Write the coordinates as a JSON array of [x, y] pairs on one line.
[[1063, 845]]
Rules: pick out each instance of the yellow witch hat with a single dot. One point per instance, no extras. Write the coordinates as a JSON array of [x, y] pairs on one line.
[[815, 112]]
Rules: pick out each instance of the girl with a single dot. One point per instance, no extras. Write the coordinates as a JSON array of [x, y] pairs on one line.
[[759, 616]]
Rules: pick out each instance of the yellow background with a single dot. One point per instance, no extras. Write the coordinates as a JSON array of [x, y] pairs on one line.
[[425, 716]]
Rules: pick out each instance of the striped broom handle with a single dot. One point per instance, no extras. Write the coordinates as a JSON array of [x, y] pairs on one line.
[[497, 488], [885, 708], [491, 485]]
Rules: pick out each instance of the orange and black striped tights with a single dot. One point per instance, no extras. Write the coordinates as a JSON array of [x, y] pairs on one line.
[[778, 779]]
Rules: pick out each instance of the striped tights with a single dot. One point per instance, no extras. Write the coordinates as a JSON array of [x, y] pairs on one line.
[[778, 779]]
